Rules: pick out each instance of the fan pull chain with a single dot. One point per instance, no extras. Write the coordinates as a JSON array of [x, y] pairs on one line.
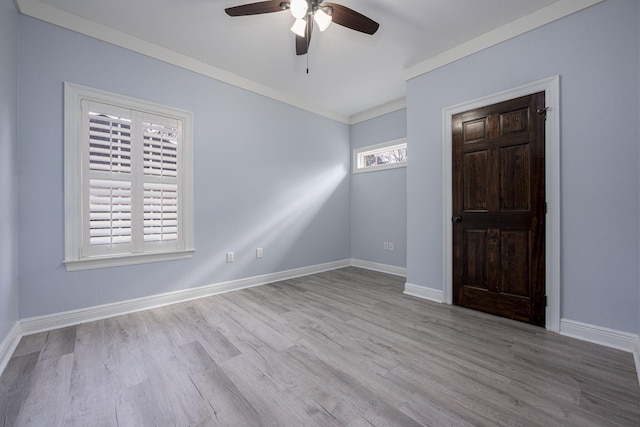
[[308, 40]]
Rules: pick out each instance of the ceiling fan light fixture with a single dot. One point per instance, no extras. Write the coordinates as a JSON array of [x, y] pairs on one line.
[[298, 8], [309, 14], [323, 19], [299, 27]]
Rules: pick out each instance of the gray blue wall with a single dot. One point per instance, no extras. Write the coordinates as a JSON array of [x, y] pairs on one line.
[[595, 52], [379, 199], [266, 175], [8, 171], [273, 176]]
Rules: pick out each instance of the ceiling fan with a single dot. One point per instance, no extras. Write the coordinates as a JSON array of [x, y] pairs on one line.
[[306, 12]]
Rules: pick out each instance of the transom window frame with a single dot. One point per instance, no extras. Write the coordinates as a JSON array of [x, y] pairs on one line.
[[360, 153], [76, 152]]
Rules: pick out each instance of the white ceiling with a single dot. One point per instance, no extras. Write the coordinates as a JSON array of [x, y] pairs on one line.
[[349, 72]]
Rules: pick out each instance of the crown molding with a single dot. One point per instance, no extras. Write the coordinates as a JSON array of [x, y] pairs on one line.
[[522, 25], [381, 110], [44, 12]]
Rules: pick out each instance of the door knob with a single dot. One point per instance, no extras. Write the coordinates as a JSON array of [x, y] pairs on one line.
[[457, 219]]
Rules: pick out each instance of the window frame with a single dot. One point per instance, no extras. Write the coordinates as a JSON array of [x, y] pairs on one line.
[[74, 169], [358, 153]]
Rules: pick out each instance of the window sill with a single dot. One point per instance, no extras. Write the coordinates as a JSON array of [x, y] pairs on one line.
[[122, 260], [380, 167]]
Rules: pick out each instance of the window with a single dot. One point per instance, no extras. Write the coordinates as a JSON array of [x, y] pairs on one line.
[[128, 180], [392, 154]]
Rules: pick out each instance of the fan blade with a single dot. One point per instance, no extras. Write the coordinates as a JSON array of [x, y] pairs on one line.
[[302, 43], [257, 8], [349, 18]]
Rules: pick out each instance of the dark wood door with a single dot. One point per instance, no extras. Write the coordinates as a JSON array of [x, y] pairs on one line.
[[499, 209]]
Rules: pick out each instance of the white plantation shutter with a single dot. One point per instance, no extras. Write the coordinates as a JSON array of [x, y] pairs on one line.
[[161, 154], [131, 201], [109, 142], [161, 149], [160, 212], [109, 212], [128, 180]]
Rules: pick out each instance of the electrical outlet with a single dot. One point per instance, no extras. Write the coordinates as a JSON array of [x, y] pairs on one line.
[[259, 253], [386, 246], [229, 256], [390, 246]]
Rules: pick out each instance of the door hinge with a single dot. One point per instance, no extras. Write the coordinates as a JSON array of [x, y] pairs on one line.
[[545, 301], [545, 208]]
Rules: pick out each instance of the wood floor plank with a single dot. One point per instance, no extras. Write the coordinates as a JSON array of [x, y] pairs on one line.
[[279, 402], [92, 398], [175, 396], [30, 344], [430, 413], [137, 406], [247, 320], [227, 404], [15, 386], [59, 342], [344, 387], [48, 393], [340, 348]]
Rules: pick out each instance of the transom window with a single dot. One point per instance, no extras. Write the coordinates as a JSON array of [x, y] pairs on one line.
[[392, 154]]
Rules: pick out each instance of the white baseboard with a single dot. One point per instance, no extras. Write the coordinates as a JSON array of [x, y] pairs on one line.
[[382, 268], [8, 345], [74, 317], [604, 336], [423, 292], [599, 335]]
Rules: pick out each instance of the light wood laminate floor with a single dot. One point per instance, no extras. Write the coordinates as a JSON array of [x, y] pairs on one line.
[[341, 348]]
